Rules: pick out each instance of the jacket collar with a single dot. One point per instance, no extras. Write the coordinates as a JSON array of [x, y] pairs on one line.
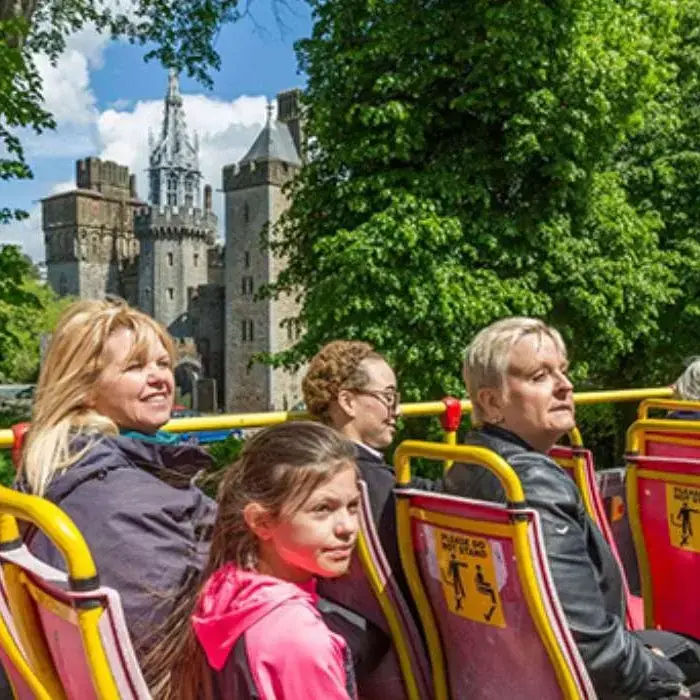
[[175, 465], [507, 435]]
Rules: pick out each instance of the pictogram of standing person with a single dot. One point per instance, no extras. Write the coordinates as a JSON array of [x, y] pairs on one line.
[[453, 577], [685, 523]]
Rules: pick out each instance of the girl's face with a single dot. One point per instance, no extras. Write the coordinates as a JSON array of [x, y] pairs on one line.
[[319, 538]]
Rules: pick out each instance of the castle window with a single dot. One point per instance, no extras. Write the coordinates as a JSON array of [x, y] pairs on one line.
[[250, 285], [195, 259], [247, 330], [243, 285], [172, 190], [189, 198], [63, 285], [170, 259], [171, 293], [246, 212], [246, 259], [290, 332]]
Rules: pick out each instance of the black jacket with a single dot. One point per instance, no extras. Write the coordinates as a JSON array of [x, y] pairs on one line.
[[364, 628], [146, 525], [584, 571]]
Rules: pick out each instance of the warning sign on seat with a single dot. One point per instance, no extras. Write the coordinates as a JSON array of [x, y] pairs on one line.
[[683, 508], [468, 577]]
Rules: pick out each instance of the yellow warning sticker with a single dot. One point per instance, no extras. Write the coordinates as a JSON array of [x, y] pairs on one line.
[[683, 508], [468, 577]]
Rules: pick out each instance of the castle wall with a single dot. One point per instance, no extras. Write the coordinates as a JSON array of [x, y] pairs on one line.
[[173, 263]]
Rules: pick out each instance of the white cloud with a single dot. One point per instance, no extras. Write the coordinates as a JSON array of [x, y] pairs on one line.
[[66, 86], [27, 234]]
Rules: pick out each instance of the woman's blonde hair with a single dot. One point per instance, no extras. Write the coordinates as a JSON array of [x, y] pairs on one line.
[[486, 358], [73, 362]]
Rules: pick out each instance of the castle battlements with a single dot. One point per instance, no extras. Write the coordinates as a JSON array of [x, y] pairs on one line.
[[174, 222]]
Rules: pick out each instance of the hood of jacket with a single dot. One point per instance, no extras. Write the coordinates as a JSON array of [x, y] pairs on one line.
[[176, 465], [233, 600]]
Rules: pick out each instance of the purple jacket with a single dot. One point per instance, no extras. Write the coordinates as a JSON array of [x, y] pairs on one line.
[[146, 525]]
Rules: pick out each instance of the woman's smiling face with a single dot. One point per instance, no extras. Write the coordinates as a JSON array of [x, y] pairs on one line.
[[136, 393]]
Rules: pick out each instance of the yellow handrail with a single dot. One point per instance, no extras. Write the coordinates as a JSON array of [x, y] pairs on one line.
[[51, 520], [666, 404], [408, 410], [640, 426]]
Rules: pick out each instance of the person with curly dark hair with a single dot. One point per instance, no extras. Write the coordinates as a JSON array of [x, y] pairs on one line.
[[351, 387]]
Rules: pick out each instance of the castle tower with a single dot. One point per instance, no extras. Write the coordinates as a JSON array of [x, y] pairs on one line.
[[255, 200], [176, 231], [91, 250]]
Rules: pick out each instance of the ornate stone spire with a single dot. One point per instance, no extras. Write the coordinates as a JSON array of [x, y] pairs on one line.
[[174, 162]]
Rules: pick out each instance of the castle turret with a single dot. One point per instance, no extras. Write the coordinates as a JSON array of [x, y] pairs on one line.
[[176, 231]]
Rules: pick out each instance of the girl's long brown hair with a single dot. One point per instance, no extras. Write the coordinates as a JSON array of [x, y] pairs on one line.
[[278, 468]]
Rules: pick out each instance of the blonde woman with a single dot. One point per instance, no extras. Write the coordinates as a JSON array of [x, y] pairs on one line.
[[94, 449], [516, 373]]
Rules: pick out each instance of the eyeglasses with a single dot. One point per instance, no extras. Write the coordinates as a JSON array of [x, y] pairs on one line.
[[391, 399]]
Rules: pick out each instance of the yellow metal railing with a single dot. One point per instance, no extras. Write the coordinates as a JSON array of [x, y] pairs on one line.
[[408, 410]]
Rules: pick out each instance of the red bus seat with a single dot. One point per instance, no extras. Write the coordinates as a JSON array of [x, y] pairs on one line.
[[370, 587], [663, 497], [480, 579], [72, 630]]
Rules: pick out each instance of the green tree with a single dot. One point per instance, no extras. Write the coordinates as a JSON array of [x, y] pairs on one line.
[[15, 299], [462, 168], [179, 34], [660, 166]]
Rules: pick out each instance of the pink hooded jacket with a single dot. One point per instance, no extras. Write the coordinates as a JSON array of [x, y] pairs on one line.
[[265, 639]]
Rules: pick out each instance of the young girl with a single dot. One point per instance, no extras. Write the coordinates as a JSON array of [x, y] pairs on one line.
[[288, 512]]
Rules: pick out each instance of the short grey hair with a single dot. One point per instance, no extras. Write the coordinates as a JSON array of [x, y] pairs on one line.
[[687, 386], [486, 357]]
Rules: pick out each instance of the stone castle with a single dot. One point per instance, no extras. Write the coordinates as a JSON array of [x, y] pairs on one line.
[[162, 256]]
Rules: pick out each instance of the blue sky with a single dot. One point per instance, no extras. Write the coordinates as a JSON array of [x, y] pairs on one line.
[[105, 98]]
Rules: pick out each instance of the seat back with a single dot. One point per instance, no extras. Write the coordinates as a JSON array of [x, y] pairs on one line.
[[577, 462], [668, 436], [370, 591], [72, 630], [663, 498], [479, 575], [23, 681]]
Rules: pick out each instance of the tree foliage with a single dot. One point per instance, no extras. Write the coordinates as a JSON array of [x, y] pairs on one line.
[[179, 34], [464, 166], [27, 309]]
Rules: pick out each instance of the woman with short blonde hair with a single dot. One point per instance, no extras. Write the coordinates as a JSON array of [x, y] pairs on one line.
[[95, 449], [516, 372]]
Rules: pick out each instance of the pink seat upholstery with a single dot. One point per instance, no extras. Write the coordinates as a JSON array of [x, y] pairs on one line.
[[490, 594], [663, 495]]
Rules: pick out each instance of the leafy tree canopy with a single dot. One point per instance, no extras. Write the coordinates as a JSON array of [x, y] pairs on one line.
[[28, 309], [463, 167], [181, 34]]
